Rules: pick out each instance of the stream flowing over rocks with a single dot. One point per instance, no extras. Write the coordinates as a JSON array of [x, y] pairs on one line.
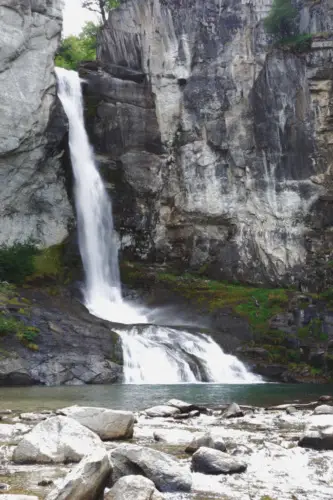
[[265, 453]]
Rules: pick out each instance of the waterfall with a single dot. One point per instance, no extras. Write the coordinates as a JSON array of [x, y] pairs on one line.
[[162, 355], [97, 239], [152, 353]]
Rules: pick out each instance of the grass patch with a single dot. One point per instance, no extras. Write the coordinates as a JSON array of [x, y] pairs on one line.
[[48, 263], [27, 335], [257, 305]]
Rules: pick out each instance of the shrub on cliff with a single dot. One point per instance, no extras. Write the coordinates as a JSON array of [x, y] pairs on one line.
[[17, 261], [280, 21]]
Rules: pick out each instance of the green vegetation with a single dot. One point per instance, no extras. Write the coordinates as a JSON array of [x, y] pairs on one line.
[[24, 262], [281, 25], [280, 21], [257, 305], [313, 331], [25, 334], [49, 263], [297, 43], [75, 49], [17, 261]]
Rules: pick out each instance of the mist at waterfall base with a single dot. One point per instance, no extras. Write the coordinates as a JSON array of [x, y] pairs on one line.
[[152, 353]]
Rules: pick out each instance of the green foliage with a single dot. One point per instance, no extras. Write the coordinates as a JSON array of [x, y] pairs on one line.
[[280, 21], [75, 49], [25, 334], [48, 262], [17, 261], [257, 305], [8, 325], [297, 43], [313, 331], [327, 296]]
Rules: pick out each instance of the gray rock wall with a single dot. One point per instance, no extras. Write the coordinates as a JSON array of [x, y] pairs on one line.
[[217, 147], [33, 199]]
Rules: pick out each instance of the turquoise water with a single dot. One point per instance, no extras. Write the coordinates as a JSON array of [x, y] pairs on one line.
[[139, 397]]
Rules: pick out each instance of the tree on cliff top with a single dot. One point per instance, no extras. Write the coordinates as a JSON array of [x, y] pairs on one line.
[[74, 49], [280, 21], [102, 7]]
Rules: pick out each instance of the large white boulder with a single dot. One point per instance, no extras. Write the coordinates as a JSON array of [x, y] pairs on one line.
[[108, 424], [133, 488], [167, 473], [56, 440], [162, 411], [323, 410], [86, 481]]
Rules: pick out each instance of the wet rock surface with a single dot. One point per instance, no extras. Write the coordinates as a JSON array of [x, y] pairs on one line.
[[72, 347]]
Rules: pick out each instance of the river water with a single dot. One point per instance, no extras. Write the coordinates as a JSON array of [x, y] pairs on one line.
[[139, 397]]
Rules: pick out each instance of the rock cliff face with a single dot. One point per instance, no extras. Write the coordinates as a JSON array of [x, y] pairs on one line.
[[218, 148], [33, 199]]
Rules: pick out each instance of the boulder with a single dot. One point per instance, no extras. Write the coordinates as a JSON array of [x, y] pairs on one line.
[[291, 410], [209, 461], [108, 424], [320, 439], [200, 439], [162, 411], [233, 411], [219, 443], [86, 481], [323, 410], [133, 487], [181, 405], [165, 471], [325, 398], [56, 440]]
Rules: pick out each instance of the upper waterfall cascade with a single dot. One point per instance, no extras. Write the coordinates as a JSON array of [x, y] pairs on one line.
[[152, 353]]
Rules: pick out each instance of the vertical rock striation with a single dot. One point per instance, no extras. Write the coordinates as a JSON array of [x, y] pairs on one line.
[[33, 198], [217, 147]]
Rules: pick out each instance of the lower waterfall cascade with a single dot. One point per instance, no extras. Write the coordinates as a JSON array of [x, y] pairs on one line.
[[152, 354]]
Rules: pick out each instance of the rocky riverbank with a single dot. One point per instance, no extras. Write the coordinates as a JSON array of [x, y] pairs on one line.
[[173, 451]]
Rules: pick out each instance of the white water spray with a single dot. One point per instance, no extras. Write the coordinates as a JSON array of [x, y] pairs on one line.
[[152, 354]]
